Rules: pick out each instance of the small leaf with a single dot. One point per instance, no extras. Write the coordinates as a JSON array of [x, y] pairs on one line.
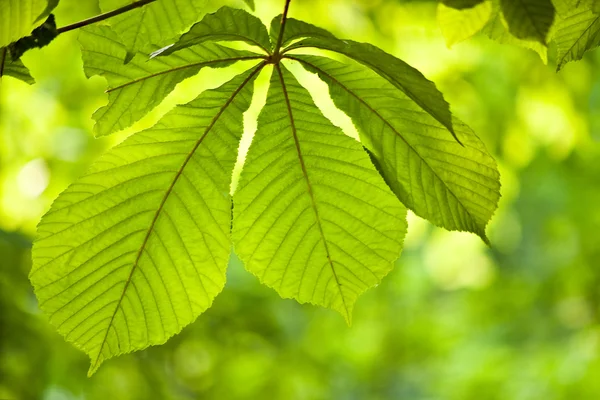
[[227, 24], [577, 32], [529, 19], [461, 4], [496, 30], [14, 68], [136, 88], [406, 78], [137, 248], [250, 3], [153, 25], [312, 217], [458, 25], [455, 187], [18, 18]]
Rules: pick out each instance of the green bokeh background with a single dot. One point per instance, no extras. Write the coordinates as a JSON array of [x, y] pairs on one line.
[[454, 320]]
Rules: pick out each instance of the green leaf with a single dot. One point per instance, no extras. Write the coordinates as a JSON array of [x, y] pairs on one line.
[[227, 24], [529, 19], [14, 68], [18, 18], [155, 24], [312, 217], [496, 30], [41, 36], [136, 88], [406, 78], [458, 25], [453, 186], [461, 4], [137, 248], [577, 32], [250, 4]]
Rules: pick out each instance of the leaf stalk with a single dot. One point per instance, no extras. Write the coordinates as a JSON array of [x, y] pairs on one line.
[[281, 31]]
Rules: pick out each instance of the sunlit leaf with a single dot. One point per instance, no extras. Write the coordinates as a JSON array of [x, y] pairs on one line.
[[136, 88], [497, 30], [227, 24], [137, 248], [577, 32], [455, 187], [458, 25], [18, 18], [406, 78], [312, 217], [154, 24]]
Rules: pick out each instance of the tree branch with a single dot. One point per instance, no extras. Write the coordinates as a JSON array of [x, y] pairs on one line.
[[104, 16]]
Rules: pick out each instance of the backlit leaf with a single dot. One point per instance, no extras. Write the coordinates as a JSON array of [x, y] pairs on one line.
[[455, 187], [312, 217], [137, 248], [458, 25], [136, 88]]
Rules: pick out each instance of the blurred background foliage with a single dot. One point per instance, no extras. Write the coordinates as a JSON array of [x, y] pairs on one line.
[[454, 320]]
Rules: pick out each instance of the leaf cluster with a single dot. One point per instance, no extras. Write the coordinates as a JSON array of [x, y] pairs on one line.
[[569, 27], [138, 247]]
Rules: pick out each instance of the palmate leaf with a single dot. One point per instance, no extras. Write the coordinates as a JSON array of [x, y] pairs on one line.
[[529, 19], [18, 18], [453, 186], [16, 69], [312, 217], [576, 32], [154, 24], [136, 88], [137, 248]]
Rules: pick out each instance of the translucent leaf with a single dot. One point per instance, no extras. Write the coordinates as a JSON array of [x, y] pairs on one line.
[[312, 217], [528, 19], [496, 30], [18, 18], [16, 69], [406, 78], [137, 248], [455, 187], [227, 24], [134, 89], [577, 32], [458, 25], [156, 24]]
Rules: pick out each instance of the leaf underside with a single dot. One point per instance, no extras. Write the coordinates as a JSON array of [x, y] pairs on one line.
[[137, 247], [18, 18], [312, 217]]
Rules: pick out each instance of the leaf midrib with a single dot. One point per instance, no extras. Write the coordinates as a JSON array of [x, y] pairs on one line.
[[386, 123], [164, 200], [199, 64], [309, 186]]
